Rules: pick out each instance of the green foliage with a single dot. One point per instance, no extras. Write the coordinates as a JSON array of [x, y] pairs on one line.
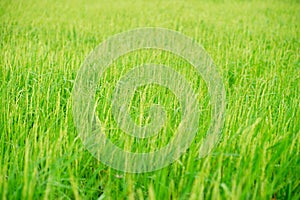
[[255, 46]]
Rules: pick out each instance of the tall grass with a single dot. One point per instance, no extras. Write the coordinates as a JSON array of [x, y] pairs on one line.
[[255, 46]]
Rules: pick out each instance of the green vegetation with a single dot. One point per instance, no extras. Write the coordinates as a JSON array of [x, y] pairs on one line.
[[255, 46]]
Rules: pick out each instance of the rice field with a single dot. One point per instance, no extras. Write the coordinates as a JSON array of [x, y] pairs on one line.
[[255, 48]]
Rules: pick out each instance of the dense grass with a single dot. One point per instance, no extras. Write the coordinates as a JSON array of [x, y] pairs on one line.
[[255, 46]]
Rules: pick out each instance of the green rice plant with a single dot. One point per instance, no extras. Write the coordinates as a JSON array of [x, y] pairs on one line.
[[255, 46]]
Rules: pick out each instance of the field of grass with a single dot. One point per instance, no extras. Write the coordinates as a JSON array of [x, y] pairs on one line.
[[255, 46]]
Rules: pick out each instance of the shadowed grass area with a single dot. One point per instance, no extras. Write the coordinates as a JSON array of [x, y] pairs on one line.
[[255, 46]]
